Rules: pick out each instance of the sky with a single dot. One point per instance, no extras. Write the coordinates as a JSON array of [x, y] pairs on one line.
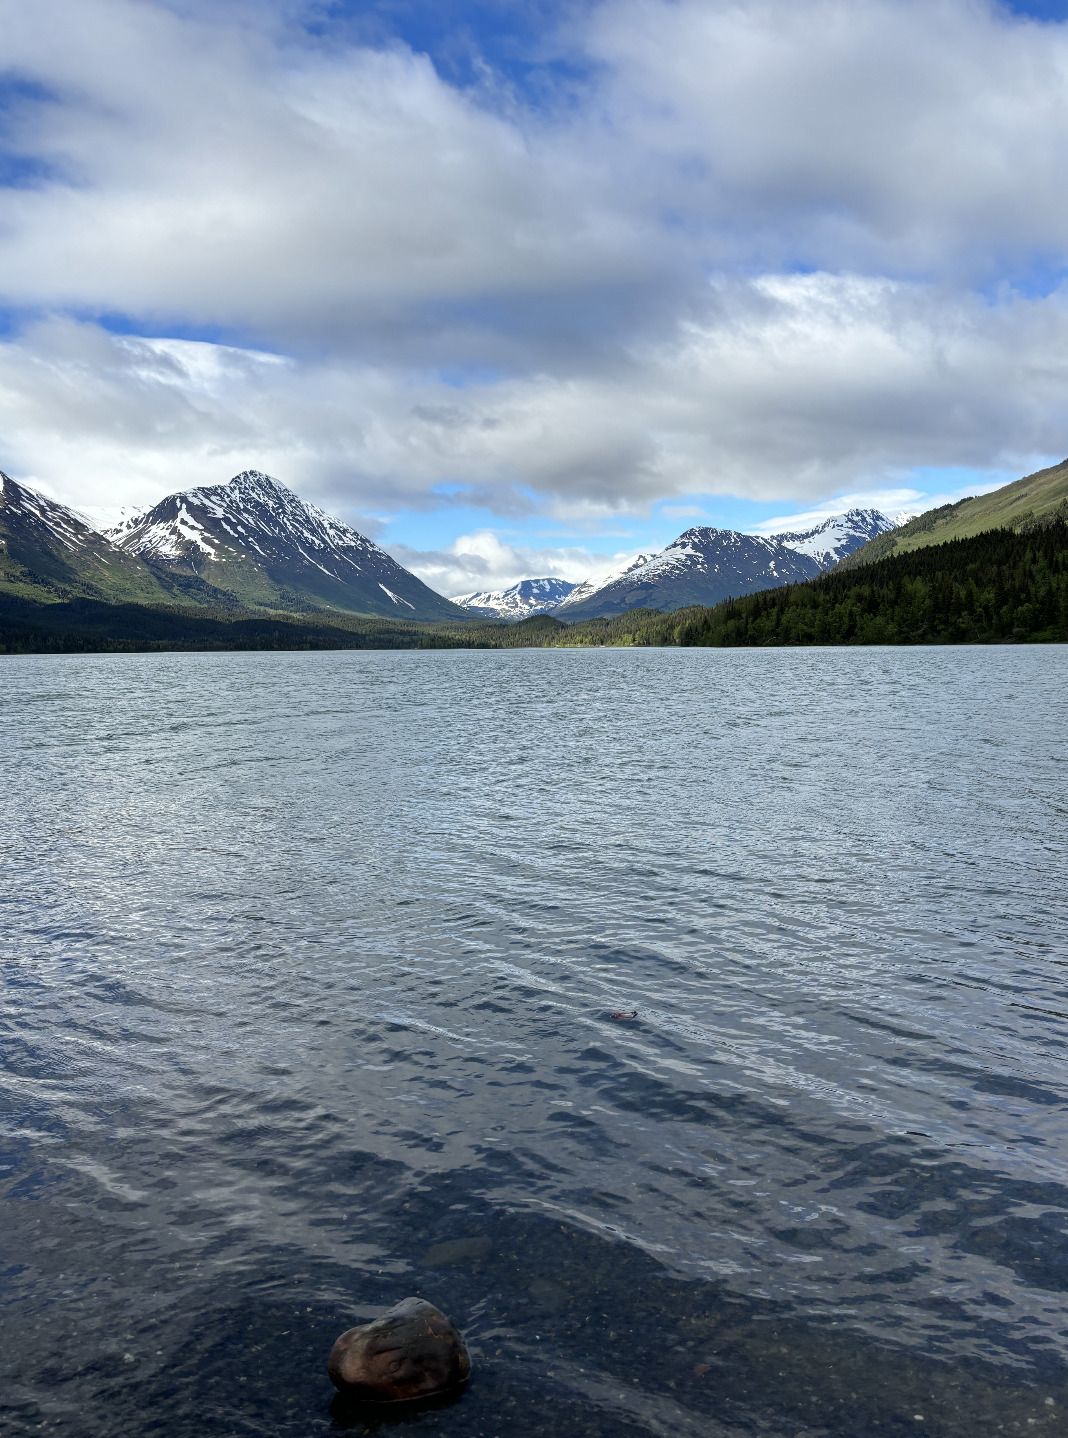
[[522, 287]]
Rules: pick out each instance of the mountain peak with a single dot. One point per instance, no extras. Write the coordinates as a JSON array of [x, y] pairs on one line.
[[838, 535], [704, 565], [251, 486], [260, 542]]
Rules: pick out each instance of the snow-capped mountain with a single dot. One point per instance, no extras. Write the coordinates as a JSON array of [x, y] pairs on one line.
[[48, 552], [838, 536], [529, 596], [706, 565], [588, 587], [260, 543]]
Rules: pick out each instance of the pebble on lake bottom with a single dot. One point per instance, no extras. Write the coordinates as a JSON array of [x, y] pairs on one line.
[[412, 1351]]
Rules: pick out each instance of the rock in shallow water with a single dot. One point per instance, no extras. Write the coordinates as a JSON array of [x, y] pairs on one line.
[[410, 1352]]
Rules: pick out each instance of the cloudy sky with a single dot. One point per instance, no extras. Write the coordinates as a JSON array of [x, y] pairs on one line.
[[517, 286]]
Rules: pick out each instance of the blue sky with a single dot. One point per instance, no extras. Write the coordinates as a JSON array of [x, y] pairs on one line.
[[1055, 10], [523, 288]]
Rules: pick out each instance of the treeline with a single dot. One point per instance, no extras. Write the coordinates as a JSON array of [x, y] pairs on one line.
[[994, 588], [91, 626], [84, 626], [997, 587]]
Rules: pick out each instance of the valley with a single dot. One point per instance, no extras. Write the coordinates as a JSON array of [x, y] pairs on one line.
[[249, 565]]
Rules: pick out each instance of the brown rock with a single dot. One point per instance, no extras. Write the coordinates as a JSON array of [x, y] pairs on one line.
[[410, 1352]]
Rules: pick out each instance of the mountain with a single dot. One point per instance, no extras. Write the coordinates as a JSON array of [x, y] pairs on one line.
[[49, 554], [1033, 502], [706, 565], [838, 536], [589, 587], [256, 542], [529, 596], [997, 587], [251, 543]]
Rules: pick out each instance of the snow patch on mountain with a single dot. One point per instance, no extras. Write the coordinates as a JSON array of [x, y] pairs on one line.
[[106, 518], [395, 597]]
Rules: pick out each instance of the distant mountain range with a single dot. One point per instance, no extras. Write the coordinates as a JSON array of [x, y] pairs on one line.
[[254, 544], [702, 566], [529, 596], [251, 543], [706, 565]]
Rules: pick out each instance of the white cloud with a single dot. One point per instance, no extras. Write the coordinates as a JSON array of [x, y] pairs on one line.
[[482, 561], [470, 302], [209, 170], [222, 168], [857, 133], [791, 388]]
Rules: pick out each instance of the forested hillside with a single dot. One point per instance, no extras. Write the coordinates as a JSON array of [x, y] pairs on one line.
[[87, 626], [997, 587]]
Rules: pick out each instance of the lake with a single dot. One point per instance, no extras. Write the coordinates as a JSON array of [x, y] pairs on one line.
[[309, 968]]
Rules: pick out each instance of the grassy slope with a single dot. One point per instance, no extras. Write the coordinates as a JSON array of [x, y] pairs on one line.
[[1037, 499], [49, 572], [46, 579]]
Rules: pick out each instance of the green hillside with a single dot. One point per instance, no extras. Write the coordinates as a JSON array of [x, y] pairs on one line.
[[1025, 504]]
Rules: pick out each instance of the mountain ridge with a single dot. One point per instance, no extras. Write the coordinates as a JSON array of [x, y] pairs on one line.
[[998, 587], [49, 553], [705, 565]]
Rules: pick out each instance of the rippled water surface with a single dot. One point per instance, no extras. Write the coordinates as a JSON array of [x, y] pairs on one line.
[[309, 968]]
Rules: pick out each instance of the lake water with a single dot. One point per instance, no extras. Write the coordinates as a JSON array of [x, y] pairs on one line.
[[309, 963]]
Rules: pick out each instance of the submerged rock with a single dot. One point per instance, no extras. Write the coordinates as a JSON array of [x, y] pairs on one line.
[[410, 1352]]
